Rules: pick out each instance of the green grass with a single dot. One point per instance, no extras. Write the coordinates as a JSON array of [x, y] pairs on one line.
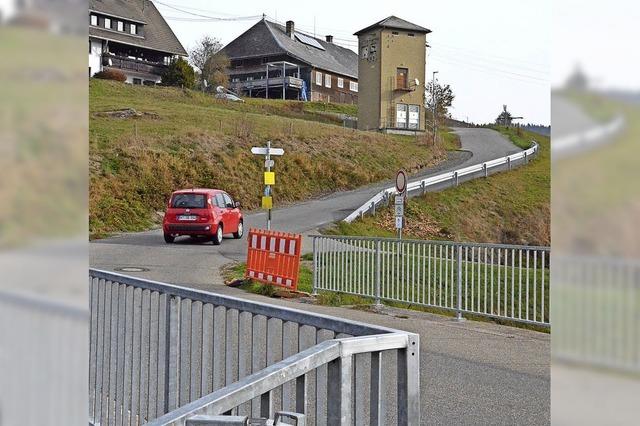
[[43, 153], [509, 207], [236, 271], [189, 139]]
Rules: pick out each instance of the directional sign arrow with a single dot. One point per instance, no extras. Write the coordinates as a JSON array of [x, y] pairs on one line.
[[259, 150]]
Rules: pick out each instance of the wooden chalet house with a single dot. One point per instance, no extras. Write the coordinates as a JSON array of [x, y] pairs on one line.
[[274, 61], [133, 37]]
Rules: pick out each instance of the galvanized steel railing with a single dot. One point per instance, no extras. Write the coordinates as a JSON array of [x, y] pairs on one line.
[[43, 359], [162, 353], [596, 311], [494, 280], [446, 179]]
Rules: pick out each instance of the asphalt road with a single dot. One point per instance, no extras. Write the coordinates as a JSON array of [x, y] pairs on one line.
[[472, 373], [196, 263]]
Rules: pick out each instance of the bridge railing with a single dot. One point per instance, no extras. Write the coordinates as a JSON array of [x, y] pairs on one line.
[[161, 353], [446, 179], [493, 280]]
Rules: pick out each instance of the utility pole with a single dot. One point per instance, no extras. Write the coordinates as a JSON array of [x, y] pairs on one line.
[[434, 100]]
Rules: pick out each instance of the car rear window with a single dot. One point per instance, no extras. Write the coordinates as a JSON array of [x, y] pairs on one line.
[[188, 201]]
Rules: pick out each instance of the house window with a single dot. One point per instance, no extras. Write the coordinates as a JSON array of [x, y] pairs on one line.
[[340, 82], [133, 29], [137, 81], [353, 86], [107, 23], [327, 80], [411, 35], [395, 33], [318, 78], [402, 78], [120, 26], [94, 20]]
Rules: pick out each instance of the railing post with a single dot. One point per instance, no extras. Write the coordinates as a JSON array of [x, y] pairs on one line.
[[509, 162], [314, 290], [526, 160], [459, 285], [373, 208], [455, 176], [424, 187], [377, 266], [339, 375], [486, 170], [409, 382]]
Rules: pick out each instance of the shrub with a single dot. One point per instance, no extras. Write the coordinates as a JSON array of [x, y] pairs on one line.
[[179, 73], [111, 75]]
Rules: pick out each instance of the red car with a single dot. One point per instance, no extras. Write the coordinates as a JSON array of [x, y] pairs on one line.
[[202, 212]]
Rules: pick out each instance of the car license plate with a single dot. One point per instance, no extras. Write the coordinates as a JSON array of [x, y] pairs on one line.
[[187, 217]]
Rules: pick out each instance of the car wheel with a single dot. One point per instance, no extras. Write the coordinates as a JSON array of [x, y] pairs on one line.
[[217, 237], [238, 235], [168, 238]]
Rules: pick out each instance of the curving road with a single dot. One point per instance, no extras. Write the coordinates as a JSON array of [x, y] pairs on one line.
[[197, 264]]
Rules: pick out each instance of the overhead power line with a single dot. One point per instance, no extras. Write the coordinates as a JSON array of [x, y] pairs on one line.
[[205, 18]]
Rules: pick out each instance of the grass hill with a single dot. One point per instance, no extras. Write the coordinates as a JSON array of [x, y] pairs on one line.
[[508, 207], [181, 139]]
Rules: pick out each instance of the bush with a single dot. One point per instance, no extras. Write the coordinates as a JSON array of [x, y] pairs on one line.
[[111, 75], [179, 73]]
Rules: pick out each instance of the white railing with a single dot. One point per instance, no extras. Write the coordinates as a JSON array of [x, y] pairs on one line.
[[451, 178], [165, 355], [491, 280], [590, 138]]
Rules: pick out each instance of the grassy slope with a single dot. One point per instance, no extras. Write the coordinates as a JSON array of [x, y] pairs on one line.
[[188, 139], [509, 207], [43, 153]]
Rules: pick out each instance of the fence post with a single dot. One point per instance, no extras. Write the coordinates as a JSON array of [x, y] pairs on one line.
[[377, 266], [314, 291], [459, 282]]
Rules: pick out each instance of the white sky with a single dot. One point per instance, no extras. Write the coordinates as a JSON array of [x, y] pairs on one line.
[[491, 52]]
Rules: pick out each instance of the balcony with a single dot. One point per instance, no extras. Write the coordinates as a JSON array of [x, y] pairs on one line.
[[128, 64]]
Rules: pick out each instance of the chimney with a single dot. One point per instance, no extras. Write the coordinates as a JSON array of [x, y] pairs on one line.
[[291, 28], [329, 38]]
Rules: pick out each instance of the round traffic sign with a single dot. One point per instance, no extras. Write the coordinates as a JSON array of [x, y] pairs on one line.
[[401, 181]]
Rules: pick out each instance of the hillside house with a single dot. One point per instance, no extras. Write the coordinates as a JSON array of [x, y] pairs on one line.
[[274, 61], [133, 37]]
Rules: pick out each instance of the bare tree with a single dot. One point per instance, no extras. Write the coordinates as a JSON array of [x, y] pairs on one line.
[[203, 50]]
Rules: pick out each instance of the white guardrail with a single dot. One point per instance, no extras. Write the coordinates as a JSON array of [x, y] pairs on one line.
[[452, 176], [590, 138]]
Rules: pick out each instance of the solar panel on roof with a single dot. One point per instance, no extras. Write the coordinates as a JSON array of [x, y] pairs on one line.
[[308, 41]]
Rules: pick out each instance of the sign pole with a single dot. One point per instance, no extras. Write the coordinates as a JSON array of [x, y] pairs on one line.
[[269, 176], [268, 187], [401, 189]]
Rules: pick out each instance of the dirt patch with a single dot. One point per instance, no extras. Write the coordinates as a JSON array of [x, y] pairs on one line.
[[126, 113]]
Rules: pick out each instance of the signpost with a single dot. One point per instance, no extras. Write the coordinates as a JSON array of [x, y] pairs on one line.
[[269, 176], [401, 189]]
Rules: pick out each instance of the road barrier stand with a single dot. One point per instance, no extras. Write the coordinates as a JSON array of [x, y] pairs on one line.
[[274, 257]]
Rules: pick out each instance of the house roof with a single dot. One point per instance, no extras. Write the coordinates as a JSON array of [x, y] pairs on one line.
[[395, 23], [268, 38], [157, 33]]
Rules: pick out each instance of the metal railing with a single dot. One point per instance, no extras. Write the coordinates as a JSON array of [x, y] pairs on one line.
[[43, 358], [585, 140], [162, 354], [493, 280], [446, 179], [596, 311]]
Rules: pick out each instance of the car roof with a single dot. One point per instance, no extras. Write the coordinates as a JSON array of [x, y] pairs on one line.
[[198, 190]]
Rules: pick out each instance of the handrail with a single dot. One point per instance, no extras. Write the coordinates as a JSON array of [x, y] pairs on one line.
[[270, 378], [443, 177], [270, 311]]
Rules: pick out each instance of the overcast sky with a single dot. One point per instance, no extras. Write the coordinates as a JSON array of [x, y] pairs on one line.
[[491, 52]]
